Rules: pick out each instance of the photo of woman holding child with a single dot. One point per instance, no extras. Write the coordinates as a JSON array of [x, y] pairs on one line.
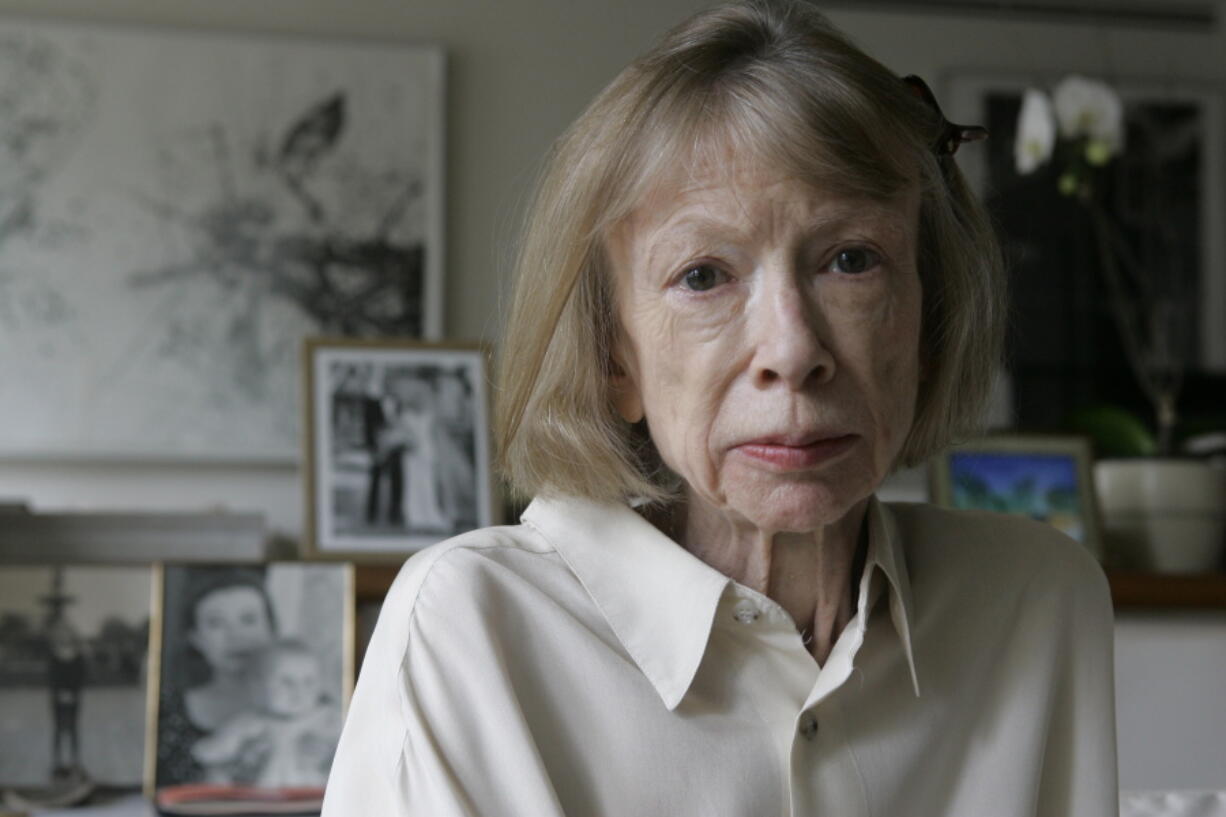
[[252, 678]]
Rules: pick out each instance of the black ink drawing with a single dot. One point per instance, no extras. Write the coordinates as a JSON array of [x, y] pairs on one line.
[[183, 209]]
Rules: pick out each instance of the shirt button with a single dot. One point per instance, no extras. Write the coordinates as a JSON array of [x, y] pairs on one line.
[[745, 612], [808, 726]]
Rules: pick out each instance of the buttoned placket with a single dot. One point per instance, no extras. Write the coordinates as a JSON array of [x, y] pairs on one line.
[[789, 691]]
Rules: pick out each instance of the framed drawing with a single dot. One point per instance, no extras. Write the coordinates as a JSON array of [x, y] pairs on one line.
[[1167, 191], [398, 451], [181, 208], [1048, 478], [254, 667], [74, 642]]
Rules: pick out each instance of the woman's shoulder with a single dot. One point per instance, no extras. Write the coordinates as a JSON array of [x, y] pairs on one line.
[[1011, 548], [493, 544], [470, 566]]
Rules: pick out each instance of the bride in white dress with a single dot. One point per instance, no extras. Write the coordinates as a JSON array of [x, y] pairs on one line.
[[416, 418]]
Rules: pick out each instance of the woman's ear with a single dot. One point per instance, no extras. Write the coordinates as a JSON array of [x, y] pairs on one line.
[[626, 397]]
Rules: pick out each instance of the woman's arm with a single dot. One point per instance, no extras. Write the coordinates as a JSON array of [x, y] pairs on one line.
[[1079, 775]]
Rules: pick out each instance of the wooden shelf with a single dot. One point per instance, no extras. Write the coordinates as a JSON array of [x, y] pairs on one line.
[[372, 581], [1129, 589]]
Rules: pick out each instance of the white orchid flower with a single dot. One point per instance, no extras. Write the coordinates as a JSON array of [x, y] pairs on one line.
[[1036, 132], [1091, 109]]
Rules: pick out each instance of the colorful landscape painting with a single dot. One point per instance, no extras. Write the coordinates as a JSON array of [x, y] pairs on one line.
[[1041, 486]]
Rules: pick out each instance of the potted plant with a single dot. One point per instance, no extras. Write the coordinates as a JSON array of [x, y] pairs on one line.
[[1159, 511]]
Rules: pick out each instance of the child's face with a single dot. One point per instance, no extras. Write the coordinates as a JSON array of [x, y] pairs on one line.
[[292, 685]]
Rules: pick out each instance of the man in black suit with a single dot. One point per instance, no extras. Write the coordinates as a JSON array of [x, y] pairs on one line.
[[386, 458]]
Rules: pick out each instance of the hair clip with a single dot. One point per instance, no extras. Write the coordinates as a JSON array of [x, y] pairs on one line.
[[952, 136]]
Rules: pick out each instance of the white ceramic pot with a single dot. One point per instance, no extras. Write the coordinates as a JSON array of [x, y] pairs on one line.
[[1166, 515]]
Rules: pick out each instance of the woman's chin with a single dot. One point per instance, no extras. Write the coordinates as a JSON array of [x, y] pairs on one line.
[[797, 506]]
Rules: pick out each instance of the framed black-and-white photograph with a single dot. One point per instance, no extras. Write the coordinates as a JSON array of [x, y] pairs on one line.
[[73, 648], [181, 208], [1044, 477], [254, 669], [398, 445]]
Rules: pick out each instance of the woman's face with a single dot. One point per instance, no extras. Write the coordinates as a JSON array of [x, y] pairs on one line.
[[231, 624], [770, 336]]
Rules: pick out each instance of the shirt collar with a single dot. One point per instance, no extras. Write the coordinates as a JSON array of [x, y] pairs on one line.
[[659, 599], [885, 551]]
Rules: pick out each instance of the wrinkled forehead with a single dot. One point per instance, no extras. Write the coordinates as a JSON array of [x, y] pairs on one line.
[[722, 184], [738, 143]]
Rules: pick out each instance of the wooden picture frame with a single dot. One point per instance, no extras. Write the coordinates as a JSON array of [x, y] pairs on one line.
[[74, 640], [1045, 477], [397, 445], [240, 654]]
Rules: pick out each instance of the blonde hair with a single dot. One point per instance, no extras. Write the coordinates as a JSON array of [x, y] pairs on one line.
[[772, 82]]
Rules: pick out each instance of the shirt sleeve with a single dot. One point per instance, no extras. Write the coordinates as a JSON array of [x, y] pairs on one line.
[[1079, 775], [435, 727], [365, 773]]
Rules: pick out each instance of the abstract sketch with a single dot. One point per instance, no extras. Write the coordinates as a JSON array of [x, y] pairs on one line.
[[181, 209]]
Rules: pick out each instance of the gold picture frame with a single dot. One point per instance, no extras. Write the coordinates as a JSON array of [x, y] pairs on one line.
[[309, 614], [73, 686]]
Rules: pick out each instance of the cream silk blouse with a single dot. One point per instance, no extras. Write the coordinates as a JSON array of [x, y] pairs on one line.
[[583, 664]]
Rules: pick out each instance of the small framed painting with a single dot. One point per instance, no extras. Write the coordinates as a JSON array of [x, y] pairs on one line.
[[254, 668], [73, 646], [1044, 477], [397, 445]]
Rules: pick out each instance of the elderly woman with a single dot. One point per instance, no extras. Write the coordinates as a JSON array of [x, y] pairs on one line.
[[753, 284]]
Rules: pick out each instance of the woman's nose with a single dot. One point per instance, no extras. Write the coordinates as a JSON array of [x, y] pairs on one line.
[[791, 332]]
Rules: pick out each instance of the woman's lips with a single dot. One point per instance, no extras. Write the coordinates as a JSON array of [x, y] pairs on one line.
[[788, 456]]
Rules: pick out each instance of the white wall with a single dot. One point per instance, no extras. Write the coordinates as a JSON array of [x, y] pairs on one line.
[[519, 71], [1170, 679]]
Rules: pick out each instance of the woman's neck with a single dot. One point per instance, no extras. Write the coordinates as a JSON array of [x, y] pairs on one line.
[[807, 574]]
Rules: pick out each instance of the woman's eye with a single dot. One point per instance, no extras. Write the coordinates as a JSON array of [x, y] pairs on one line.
[[855, 260], [703, 277]]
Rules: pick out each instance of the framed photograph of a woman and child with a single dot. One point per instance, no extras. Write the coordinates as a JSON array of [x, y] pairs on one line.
[[254, 667], [397, 445]]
